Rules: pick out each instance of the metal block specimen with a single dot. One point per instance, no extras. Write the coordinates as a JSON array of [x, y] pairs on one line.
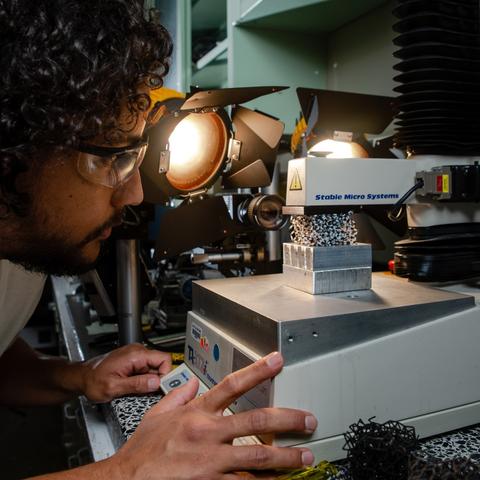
[[328, 281]]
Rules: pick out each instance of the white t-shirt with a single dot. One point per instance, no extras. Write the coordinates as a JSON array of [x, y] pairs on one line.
[[20, 292]]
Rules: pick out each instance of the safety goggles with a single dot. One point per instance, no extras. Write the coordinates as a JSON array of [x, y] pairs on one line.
[[110, 166]]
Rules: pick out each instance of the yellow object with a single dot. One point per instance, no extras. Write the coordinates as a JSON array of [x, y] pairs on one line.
[[177, 358], [295, 184], [445, 183], [323, 471], [157, 107], [300, 129], [162, 94]]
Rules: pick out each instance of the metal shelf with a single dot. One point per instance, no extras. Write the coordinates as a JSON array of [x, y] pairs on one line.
[[213, 54], [307, 16]]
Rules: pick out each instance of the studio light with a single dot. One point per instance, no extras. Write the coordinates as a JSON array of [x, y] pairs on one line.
[[198, 144], [336, 124], [197, 141]]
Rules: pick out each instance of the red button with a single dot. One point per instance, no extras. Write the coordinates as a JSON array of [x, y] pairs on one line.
[[439, 183]]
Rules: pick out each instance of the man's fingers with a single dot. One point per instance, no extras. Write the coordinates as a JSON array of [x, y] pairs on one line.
[[160, 360], [153, 360], [241, 381], [268, 420], [135, 384], [177, 397], [264, 457]]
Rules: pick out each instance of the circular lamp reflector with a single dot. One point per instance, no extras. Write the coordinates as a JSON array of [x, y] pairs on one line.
[[198, 146]]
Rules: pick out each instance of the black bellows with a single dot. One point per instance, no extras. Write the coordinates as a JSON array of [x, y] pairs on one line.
[[438, 107], [438, 113]]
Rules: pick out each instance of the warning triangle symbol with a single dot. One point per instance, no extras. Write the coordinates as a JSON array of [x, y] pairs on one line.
[[296, 184]]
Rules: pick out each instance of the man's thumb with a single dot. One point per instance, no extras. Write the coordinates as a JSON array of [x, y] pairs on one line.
[[177, 397]]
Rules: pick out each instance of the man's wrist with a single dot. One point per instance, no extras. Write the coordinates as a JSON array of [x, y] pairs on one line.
[[71, 376], [80, 372], [113, 468], [110, 469]]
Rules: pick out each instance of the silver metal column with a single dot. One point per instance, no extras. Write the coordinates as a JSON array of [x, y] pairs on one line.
[[128, 292]]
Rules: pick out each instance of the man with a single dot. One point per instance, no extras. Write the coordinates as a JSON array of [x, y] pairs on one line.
[[74, 88]]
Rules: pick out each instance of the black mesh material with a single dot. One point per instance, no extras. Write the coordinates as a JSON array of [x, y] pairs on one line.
[[436, 469]]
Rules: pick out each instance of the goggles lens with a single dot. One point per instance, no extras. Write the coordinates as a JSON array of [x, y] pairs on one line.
[[110, 167]]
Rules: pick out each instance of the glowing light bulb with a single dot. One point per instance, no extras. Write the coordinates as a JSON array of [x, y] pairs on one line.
[[184, 143], [336, 149], [197, 146]]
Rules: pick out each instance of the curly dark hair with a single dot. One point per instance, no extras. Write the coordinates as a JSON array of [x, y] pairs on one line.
[[67, 67]]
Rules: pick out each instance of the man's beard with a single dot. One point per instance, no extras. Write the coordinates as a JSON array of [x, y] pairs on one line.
[[53, 254]]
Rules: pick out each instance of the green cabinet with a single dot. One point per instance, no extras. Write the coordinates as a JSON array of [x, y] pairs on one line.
[[337, 44]]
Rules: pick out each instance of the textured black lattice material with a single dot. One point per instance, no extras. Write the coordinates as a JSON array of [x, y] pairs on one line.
[[436, 469], [439, 80], [379, 451]]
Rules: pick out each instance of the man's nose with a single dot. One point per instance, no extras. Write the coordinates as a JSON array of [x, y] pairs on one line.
[[129, 193]]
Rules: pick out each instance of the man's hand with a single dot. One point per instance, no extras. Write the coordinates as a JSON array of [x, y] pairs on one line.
[[181, 438], [132, 369], [29, 378]]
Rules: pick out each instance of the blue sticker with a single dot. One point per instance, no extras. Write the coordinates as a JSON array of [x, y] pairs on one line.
[[216, 352]]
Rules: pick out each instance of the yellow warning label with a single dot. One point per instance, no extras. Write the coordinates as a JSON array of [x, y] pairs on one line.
[[296, 184], [445, 184]]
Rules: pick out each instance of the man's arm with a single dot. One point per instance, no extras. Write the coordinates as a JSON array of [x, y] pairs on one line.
[[183, 437], [29, 378]]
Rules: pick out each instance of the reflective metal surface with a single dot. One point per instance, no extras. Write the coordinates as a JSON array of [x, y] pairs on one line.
[[266, 315], [316, 258], [319, 270], [316, 282], [98, 431]]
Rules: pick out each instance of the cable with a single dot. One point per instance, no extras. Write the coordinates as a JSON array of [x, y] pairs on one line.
[[397, 212]]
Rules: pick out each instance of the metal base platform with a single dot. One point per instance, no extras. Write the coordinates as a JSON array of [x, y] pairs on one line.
[[266, 315], [400, 351]]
